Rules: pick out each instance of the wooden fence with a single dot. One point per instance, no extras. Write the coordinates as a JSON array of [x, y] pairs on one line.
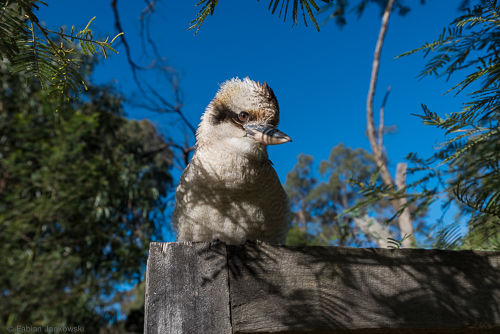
[[261, 288]]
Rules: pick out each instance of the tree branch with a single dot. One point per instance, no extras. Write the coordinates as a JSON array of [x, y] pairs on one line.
[[133, 66], [370, 126], [381, 129], [152, 99], [404, 220]]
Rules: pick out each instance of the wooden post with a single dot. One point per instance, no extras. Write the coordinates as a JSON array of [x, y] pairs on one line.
[[187, 289], [261, 288]]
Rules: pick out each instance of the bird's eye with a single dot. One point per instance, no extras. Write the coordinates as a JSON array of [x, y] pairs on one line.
[[243, 116]]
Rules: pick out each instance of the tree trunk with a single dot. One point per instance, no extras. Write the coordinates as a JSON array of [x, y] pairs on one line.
[[404, 220]]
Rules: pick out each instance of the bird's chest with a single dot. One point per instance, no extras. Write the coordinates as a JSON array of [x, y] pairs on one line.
[[231, 199], [232, 173], [233, 187]]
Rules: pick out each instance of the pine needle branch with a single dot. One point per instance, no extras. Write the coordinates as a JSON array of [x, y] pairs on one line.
[[307, 6], [49, 55]]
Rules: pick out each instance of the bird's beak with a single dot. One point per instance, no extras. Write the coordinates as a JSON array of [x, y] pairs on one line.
[[266, 134]]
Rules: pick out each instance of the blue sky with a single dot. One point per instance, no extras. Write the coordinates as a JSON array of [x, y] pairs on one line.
[[320, 78]]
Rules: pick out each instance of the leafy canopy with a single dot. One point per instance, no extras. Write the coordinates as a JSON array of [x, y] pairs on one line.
[[81, 196]]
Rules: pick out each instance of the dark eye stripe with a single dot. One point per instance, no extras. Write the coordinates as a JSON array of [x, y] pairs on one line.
[[221, 113]]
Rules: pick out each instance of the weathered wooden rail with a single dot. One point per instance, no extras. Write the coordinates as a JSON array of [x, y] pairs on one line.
[[260, 288]]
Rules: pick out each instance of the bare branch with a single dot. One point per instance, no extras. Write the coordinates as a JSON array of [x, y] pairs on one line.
[[370, 126], [381, 128], [150, 8], [404, 220], [151, 98], [133, 65], [185, 151], [145, 31], [177, 108]]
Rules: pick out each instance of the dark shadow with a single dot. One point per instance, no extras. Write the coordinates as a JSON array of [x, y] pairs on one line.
[[258, 287], [225, 209], [332, 288]]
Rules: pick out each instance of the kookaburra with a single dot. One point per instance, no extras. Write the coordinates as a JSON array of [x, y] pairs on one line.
[[230, 191]]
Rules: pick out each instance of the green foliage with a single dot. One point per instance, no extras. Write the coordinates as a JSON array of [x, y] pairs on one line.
[[472, 150], [132, 304], [81, 193], [448, 237], [298, 236], [208, 7], [306, 6], [47, 55], [484, 235], [418, 194]]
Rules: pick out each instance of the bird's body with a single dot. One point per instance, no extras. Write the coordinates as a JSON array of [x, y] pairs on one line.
[[230, 191]]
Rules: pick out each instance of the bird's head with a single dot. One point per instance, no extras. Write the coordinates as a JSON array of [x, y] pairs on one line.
[[243, 116]]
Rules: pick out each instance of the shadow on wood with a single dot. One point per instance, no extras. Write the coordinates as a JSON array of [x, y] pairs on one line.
[[259, 288]]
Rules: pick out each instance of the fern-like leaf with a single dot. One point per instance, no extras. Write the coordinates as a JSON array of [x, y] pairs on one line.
[[44, 54], [208, 7]]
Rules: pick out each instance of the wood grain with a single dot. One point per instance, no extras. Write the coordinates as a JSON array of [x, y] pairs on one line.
[[262, 288], [187, 289]]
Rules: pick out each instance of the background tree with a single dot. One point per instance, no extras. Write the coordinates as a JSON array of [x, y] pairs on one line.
[[89, 166], [322, 207], [471, 153], [318, 204], [81, 192]]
